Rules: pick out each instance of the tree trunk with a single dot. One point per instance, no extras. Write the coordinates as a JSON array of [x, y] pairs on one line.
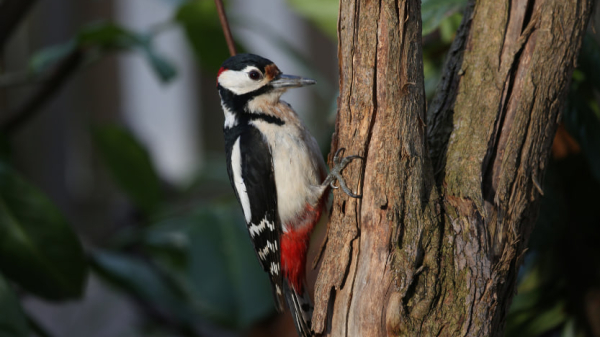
[[434, 245]]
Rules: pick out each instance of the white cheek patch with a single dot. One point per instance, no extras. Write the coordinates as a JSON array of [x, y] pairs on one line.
[[238, 82]]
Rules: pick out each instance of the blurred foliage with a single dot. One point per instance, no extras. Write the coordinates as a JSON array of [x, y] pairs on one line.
[[210, 251], [435, 12], [323, 13], [196, 264], [562, 269], [582, 112], [12, 320], [563, 265], [101, 38], [201, 23], [130, 165], [188, 261], [28, 223], [137, 277], [435, 46]]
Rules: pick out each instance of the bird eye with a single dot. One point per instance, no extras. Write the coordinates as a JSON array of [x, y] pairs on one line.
[[254, 75]]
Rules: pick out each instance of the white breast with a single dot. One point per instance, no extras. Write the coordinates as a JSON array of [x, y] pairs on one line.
[[297, 164]]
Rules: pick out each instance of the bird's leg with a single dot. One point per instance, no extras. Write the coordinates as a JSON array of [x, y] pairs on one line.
[[336, 172]]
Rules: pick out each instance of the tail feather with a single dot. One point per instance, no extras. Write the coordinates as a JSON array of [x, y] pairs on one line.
[[302, 309], [278, 296]]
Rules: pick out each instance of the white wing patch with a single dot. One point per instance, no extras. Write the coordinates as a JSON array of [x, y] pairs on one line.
[[238, 181], [257, 229]]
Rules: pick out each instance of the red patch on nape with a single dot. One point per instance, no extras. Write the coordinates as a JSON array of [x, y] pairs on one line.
[[294, 245], [222, 69]]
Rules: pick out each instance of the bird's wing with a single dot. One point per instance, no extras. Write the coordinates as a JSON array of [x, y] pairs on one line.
[[250, 168]]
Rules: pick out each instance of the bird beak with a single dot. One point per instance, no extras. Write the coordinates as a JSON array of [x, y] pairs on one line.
[[291, 81]]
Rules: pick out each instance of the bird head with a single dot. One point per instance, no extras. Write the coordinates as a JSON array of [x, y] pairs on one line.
[[244, 74]]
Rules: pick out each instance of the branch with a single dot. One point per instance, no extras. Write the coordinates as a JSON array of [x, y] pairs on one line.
[[382, 250], [516, 58], [47, 89], [11, 13], [225, 26]]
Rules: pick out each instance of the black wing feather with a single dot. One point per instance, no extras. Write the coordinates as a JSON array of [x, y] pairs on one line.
[[259, 178]]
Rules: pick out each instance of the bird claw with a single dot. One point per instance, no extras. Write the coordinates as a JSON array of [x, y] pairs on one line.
[[336, 171], [336, 156]]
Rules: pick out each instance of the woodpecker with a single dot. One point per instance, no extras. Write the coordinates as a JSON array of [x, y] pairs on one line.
[[278, 174]]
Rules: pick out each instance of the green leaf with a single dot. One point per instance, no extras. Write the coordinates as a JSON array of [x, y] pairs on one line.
[[449, 26], [111, 37], [220, 268], [529, 314], [12, 320], [433, 12], [163, 68], [323, 13], [548, 320], [47, 57], [130, 165], [38, 249], [200, 21], [138, 278], [106, 37]]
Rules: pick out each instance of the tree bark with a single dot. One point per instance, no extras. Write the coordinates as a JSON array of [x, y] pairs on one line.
[[434, 245]]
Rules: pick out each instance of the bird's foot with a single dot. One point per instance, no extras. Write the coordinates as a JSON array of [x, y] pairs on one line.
[[336, 172]]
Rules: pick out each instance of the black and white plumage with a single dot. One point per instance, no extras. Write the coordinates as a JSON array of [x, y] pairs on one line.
[[277, 172], [250, 169]]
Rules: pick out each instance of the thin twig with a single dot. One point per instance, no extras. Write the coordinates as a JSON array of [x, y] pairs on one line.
[[225, 25], [60, 74], [11, 14]]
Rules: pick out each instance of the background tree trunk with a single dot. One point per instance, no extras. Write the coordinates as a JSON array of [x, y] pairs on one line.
[[433, 247]]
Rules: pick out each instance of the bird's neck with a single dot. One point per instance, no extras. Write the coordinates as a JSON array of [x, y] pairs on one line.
[[241, 109]]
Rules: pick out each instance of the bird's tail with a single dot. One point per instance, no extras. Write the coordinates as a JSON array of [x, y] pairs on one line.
[[301, 307]]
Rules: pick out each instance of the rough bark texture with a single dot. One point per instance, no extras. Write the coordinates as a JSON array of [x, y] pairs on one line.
[[434, 245]]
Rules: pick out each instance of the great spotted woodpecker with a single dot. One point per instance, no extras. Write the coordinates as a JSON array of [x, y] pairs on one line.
[[277, 172]]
